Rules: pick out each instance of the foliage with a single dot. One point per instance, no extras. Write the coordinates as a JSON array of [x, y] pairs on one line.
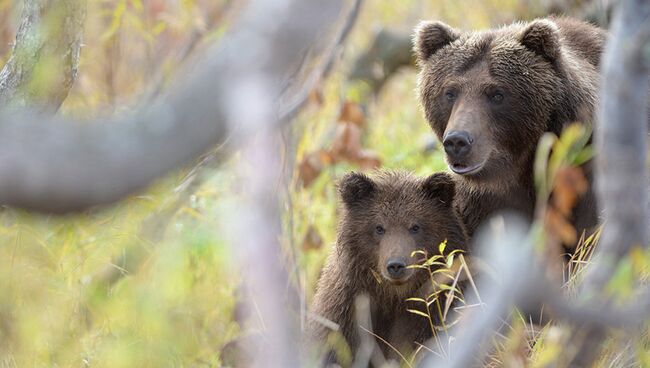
[[449, 277]]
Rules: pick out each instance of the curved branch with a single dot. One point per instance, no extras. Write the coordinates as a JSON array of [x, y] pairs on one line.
[[43, 65], [621, 138], [61, 166], [622, 178], [292, 103], [289, 107]]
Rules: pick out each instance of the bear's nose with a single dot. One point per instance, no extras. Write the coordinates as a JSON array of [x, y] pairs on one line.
[[396, 268], [457, 143]]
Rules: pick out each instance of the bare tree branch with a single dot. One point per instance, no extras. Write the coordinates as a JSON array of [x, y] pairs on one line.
[[260, 251], [290, 105], [621, 138], [522, 283], [294, 99], [509, 254], [189, 47], [390, 50], [47, 44], [60, 165]]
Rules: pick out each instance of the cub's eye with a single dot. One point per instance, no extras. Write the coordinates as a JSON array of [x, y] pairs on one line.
[[450, 95], [414, 229], [380, 230], [497, 97]]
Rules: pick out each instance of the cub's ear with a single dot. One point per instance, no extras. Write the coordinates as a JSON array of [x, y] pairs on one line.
[[355, 188], [440, 186], [430, 37], [543, 38]]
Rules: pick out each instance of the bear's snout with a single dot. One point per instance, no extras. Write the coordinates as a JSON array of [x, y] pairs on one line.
[[458, 144], [396, 268], [466, 140], [397, 271]]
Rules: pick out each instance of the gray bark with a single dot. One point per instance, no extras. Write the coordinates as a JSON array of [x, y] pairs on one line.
[[509, 251], [621, 139], [389, 52], [48, 42], [293, 100], [62, 165]]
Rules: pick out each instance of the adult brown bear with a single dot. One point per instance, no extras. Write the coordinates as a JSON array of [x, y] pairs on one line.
[[384, 220], [490, 96]]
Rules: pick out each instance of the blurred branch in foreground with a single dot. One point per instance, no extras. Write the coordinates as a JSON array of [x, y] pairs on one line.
[[622, 183], [43, 65], [62, 165], [292, 100], [294, 96], [621, 139], [390, 50]]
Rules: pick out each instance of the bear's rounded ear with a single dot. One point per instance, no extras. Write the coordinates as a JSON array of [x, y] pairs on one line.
[[543, 38], [430, 37], [355, 187], [440, 186]]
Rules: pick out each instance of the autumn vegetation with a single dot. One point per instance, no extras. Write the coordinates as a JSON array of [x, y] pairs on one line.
[[157, 279]]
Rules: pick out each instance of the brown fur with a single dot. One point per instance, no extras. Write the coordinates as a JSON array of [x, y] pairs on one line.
[[396, 201], [506, 87]]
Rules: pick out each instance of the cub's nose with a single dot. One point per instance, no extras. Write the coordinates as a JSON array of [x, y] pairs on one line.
[[457, 143], [396, 268]]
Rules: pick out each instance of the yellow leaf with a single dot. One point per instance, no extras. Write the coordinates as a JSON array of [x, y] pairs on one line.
[[450, 261], [418, 252], [442, 246], [419, 313], [416, 300]]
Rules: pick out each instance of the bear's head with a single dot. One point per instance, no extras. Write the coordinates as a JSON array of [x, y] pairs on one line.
[[388, 217], [489, 96]]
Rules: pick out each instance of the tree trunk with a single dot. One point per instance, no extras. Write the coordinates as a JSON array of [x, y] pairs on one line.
[[621, 134], [43, 65]]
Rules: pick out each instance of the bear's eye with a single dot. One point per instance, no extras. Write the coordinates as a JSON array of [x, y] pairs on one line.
[[450, 95], [497, 97], [415, 229], [380, 230]]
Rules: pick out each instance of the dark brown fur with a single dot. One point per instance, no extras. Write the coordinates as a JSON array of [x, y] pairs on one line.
[[546, 72], [396, 201]]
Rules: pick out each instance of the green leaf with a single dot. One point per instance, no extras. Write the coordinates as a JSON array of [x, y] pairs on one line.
[[442, 246], [450, 261], [455, 251], [447, 287], [432, 260], [435, 263]]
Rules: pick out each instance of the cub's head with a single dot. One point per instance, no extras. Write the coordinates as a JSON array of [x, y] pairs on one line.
[[388, 217]]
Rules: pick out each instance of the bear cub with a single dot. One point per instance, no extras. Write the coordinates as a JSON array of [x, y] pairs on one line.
[[384, 219]]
